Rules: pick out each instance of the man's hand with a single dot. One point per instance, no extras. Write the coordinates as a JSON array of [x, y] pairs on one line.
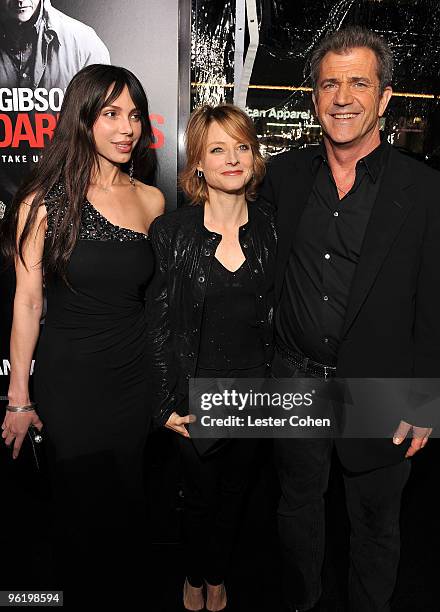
[[177, 423], [420, 436]]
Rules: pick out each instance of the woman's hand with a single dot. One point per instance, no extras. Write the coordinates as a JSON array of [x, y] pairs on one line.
[[15, 426], [177, 423]]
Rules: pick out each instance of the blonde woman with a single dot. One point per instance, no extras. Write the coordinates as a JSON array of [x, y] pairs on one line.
[[211, 316]]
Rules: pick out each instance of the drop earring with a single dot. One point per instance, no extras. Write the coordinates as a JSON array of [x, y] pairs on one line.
[[199, 173], [131, 173]]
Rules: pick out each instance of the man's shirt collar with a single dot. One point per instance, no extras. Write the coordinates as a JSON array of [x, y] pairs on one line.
[[373, 162]]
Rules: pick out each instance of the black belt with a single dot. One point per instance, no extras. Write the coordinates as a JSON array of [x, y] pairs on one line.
[[306, 365]]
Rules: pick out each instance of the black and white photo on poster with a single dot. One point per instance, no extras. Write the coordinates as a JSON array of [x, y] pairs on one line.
[[41, 49]]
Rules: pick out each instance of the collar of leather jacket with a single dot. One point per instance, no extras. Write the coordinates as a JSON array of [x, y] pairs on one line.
[[199, 214]]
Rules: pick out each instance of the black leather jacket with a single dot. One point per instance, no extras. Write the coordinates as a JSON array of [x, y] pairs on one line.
[[184, 251]]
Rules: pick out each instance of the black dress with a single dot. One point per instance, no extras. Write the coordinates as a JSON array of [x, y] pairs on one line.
[[90, 383]]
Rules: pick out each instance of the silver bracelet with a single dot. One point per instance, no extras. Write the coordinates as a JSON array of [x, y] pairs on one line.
[[28, 408]]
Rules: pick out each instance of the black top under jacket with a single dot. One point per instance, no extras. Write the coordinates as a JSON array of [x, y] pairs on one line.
[[230, 337]]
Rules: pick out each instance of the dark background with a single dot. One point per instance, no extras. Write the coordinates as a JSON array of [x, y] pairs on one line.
[[289, 30]]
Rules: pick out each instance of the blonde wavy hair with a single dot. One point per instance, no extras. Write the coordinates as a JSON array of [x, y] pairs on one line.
[[236, 124]]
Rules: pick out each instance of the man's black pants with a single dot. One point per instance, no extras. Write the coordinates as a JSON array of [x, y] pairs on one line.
[[373, 501]]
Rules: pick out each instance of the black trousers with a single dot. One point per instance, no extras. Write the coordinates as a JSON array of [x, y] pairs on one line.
[[214, 487], [214, 490], [373, 501]]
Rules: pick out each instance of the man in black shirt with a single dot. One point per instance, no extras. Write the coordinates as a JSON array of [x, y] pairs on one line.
[[358, 296]]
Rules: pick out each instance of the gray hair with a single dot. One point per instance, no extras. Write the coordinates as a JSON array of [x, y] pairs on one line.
[[349, 38]]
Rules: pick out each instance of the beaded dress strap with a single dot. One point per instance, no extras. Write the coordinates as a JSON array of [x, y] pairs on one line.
[[94, 226]]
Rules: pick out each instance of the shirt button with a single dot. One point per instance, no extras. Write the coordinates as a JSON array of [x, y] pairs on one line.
[[325, 298], [325, 340], [24, 75], [213, 236], [255, 271], [201, 279], [327, 256], [207, 253], [245, 246], [336, 214]]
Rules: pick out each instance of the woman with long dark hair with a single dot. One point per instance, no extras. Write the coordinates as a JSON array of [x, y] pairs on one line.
[[78, 226], [211, 307]]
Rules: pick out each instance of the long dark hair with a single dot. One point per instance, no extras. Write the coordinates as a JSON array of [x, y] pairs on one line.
[[70, 158]]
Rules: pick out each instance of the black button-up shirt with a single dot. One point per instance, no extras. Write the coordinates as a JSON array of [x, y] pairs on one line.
[[323, 259]]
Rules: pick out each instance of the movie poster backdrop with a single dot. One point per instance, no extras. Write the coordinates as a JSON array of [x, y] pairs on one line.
[[43, 44]]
